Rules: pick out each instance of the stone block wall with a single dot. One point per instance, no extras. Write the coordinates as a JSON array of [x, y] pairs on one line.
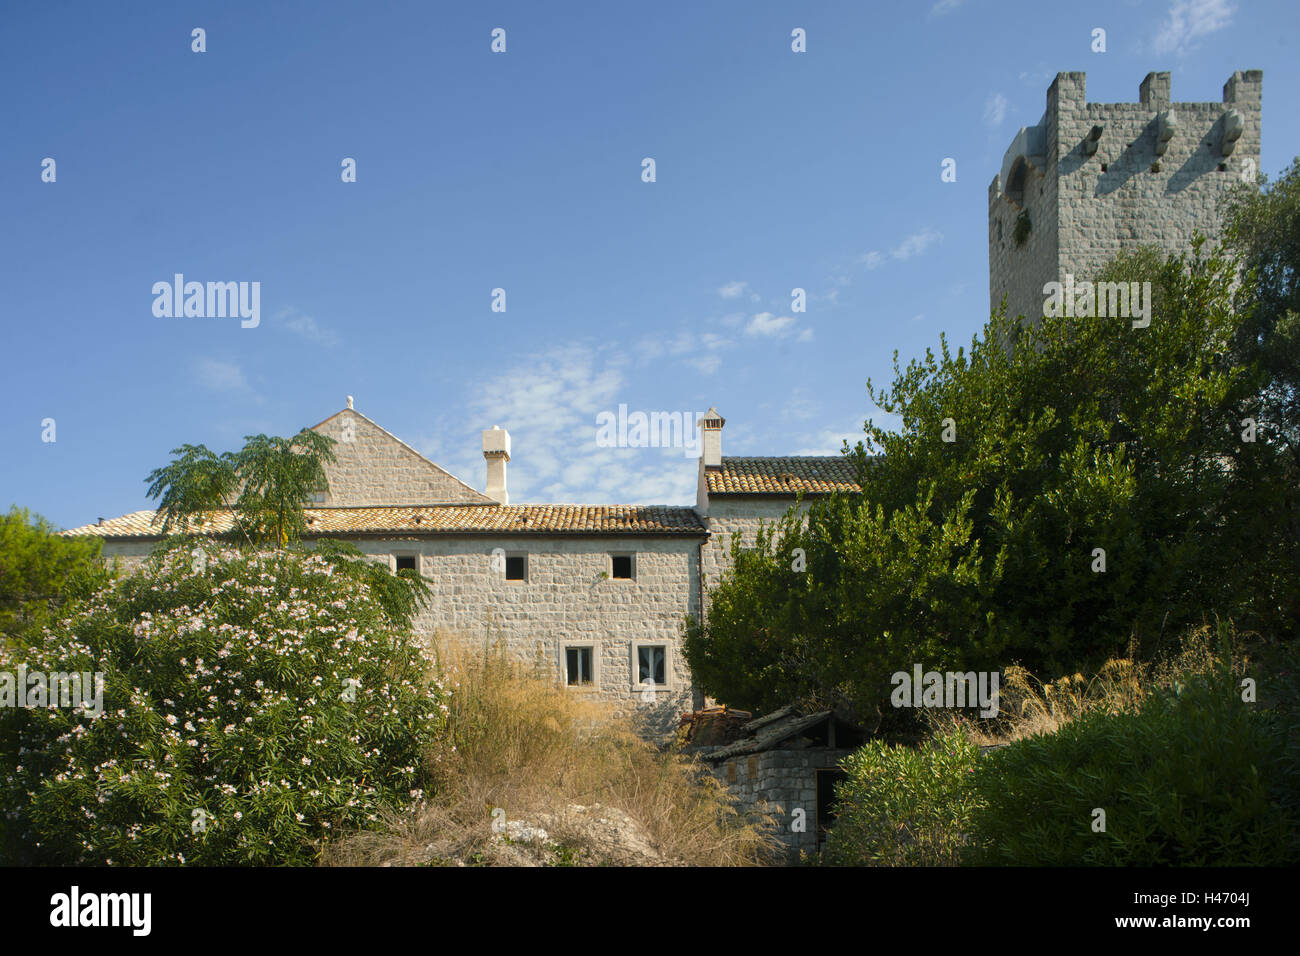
[[1083, 216], [565, 601], [131, 554], [375, 468], [736, 515], [779, 782]]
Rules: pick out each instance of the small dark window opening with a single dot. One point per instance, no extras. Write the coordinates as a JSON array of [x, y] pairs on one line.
[[1016, 181], [622, 566], [516, 567], [1103, 167], [650, 665], [577, 666], [406, 562]]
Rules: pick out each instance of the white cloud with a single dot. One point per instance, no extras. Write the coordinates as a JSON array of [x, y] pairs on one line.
[[1035, 77], [733, 290], [652, 347], [829, 441], [220, 376], [549, 404], [944, 7], [306, 327], [695, 348], [1189, 21], [767, 324], [708, 364], [799, 406], [995, 110], [805, 336], [915, 244]]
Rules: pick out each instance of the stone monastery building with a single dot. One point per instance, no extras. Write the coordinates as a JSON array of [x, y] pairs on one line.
[[596, 593]]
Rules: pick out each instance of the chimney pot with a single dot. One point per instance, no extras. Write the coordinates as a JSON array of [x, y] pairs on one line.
[[711, 438], [496, 450]]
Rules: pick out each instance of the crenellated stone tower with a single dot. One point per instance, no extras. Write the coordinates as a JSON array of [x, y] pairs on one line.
[[1094, 178]]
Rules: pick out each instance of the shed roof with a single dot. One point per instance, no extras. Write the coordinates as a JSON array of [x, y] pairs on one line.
[[771, 730]]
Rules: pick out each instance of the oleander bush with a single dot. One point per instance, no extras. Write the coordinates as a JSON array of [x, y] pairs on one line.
[[1191, 778], [254, 704], [905, 806]]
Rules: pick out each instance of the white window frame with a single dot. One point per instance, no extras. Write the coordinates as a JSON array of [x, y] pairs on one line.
[[594, 648], [637, 686]]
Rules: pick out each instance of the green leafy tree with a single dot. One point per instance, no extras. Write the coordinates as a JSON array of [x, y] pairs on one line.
[[41, 572], [1263, 229], [279, 476], [1262, 224], [267, 484], [1016, 469], [196, 482]]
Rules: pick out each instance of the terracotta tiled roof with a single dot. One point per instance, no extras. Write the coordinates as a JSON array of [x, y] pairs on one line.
[[443, 519], [782, 476]]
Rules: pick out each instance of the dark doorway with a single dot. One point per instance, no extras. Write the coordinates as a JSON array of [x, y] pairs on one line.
[[826, 782]]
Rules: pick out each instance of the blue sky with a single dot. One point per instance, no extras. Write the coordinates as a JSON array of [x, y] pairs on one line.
[[523, 171]]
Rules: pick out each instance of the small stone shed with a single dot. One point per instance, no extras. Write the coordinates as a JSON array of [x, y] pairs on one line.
[[785, 763]]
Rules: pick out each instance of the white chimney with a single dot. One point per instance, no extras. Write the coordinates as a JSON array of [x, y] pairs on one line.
[[496, 449], [711, 438]]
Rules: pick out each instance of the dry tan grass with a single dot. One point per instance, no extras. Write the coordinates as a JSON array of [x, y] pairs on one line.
[[1029, 707], [520, 742]]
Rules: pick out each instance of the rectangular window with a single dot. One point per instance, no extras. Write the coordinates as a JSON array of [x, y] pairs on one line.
[[516, 567], [577, 667], [650, 668], [405, 562], [622, 566]]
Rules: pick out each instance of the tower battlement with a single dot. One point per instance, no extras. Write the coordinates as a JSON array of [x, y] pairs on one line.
[[1091, 179]]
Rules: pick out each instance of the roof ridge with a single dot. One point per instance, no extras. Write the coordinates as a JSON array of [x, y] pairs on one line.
[[472, 518]]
